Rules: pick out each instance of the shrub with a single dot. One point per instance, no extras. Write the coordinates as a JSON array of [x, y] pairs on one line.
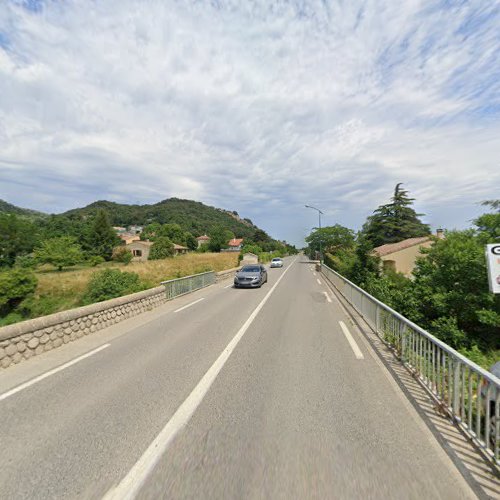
[[95, 260], [203, 248], [15, 285], [122, 254], [25, 261], [111, 283]]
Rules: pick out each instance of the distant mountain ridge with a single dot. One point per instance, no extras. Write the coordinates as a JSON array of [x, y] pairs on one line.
[[192, 216], [23, 212]]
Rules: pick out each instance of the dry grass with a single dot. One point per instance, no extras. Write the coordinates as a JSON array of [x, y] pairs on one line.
[[72, 282]]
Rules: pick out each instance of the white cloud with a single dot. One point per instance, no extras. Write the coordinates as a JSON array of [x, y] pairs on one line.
[[255, 106]]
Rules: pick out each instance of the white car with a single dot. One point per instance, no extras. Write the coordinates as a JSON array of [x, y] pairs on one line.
[[277, 262]]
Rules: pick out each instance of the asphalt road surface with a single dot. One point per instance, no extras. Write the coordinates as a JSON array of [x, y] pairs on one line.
[[265, 393]]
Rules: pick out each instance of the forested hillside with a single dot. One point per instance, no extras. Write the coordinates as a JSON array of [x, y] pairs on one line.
[[22, 212], [192, 216]]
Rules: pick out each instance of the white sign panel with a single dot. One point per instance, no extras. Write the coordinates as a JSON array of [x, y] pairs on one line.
[[493, 261]]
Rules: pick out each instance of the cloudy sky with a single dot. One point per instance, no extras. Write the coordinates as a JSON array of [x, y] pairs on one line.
[[259, 106]]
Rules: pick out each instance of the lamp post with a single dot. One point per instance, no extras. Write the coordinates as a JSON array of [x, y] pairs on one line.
[[319, 225]]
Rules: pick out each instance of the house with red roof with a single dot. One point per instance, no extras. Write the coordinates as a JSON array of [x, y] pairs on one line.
[[235, 244], [402, 256]]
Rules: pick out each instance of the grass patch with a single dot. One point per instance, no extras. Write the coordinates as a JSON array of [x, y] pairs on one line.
[[61, 290]]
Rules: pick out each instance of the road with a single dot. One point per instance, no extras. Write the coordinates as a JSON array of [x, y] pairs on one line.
[[265, 393]]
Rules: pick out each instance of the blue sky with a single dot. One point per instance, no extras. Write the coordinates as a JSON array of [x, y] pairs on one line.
[[256, 106]]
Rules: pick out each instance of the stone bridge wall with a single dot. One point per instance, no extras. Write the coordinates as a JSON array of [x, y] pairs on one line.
[[26, 339]]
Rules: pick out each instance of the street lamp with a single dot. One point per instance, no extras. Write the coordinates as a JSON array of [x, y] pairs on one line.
[[319, 216]]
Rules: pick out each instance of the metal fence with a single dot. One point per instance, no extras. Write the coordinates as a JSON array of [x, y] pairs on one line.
[[181, 286], [467, 392]]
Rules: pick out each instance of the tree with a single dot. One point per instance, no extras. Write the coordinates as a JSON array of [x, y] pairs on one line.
[[218, 238], [191, 241], [18, 237], [260, 236], [173, 232], [332, 238], [451, 286], [488, 225], [161, 249], [395, 221], [365, 265], [60, 252], [150, 232], [15, 285], [102, 237]]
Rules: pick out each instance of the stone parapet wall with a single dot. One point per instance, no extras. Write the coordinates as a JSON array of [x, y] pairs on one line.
[[26, 339], [224, 275]]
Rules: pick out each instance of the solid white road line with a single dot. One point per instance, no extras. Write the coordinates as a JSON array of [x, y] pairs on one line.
[[189, 305], [319, 282], [327, 297], [27, 384], [130, 485], [228, 286], [314, 274], [352, 342]]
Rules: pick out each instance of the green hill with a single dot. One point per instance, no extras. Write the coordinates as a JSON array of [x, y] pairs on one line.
[[7, 208], [192, 216]]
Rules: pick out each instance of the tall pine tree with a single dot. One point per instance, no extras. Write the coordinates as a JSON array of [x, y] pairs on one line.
[[395, 221]]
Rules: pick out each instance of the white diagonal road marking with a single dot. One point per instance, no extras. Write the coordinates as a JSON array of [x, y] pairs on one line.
[[27, 384], [352, 342], [189, 305]]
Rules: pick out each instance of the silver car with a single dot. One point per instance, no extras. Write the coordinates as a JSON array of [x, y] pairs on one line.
[[250, 276]]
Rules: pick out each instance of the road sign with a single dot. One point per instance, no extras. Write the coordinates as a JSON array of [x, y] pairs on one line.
[[493, 261]]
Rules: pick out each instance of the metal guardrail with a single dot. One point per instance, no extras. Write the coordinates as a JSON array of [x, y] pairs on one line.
[[181, 286], [467, 392]]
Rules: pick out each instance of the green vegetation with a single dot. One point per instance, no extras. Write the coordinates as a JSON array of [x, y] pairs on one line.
[[7, 208], [16, 285], [111, 283], [161, 249], [192, 216], [122, 254], [448, 294], [395, 221], [219, 237], [101, 238], [59, 252], [18, 237]]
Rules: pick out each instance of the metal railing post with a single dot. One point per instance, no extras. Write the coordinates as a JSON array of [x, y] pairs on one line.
[[456, 389]]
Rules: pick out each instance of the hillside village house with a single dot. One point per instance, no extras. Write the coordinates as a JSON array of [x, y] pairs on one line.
[[401, 256], [235, 244], [129, 237], [202, 240], [140, 250]]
